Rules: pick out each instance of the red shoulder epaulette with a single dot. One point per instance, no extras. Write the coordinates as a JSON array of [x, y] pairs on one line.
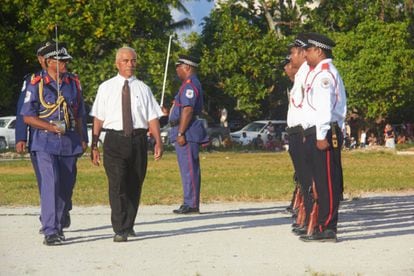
[[35, 79], [325, 66]]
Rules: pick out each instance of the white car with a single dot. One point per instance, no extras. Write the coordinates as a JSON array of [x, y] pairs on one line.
[[260, 127], [7, 132], [101, 136]]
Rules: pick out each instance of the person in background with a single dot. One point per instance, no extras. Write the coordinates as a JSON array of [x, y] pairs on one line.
[[389, 136], [372, 140], [187, 132], [127, 109], [53, 107], [363, 139]]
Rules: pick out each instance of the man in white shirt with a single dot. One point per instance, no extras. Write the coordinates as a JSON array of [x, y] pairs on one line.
[[127, 109], [295, 119]]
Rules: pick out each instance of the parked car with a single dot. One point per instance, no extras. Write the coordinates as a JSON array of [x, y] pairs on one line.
[[260, 127], [101, 136], [216, 133], [7, 132]]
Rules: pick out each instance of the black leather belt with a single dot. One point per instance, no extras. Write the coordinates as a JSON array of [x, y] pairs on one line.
[[294, 130], [135, 132], [312, 130], [309, 131]]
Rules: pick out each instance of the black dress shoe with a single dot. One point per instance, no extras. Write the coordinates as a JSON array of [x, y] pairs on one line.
[[131, 233], [327, 235], [67, 221], [41, 230], [120, 237], [61, 235], [185, 209], [298, 231], [53, 239]]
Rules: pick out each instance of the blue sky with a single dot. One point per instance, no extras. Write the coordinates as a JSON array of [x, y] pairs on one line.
[[198, 10]]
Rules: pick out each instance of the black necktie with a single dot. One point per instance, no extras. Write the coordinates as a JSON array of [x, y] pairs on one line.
[[126, 109]]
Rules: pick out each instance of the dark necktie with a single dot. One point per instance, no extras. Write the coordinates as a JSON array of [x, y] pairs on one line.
[[126, 109]]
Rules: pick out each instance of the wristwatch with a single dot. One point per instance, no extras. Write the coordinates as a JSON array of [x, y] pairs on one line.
[[180, 134]]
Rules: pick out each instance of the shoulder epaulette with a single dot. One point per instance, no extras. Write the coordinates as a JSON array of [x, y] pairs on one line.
[[35, 79], [325, 66]]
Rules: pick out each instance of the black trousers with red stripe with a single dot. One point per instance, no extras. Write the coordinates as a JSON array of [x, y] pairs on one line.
[[326, 169], [296, 151]]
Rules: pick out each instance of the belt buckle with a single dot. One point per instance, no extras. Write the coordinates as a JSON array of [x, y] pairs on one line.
[[60, 124]]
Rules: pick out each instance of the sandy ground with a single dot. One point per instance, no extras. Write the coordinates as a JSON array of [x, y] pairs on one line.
[[375, 237]]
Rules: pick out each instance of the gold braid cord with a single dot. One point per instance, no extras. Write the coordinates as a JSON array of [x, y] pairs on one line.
[[50, 108]]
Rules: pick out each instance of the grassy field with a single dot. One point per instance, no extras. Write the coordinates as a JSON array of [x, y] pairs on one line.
[[226, 176]]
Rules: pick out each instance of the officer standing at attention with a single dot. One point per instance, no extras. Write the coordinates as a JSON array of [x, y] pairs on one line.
[[325, 109], [53, 107], [295, 130], [187, 132], [126, 108]]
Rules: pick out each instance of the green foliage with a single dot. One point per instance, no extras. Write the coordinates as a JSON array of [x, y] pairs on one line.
[[92, 31], [239, 58], [377, 65]]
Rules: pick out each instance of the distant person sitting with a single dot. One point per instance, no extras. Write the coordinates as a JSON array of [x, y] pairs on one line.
[[401, 139], [258, 142], [244, 140], [372, 140], [271, 143]]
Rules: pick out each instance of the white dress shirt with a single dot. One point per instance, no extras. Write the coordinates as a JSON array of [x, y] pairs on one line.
[[107, 106], [296, 97], [325, 99]]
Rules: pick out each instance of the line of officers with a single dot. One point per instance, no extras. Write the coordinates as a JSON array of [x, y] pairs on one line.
[[316, 123], [51, 103]]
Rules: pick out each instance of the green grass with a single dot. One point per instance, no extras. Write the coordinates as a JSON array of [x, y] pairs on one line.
[[226, 176]]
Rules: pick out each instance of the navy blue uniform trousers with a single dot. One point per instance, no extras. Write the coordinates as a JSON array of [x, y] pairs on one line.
[[57, 177], [189, 163]]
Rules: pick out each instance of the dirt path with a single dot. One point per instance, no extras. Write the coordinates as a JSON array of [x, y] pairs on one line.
[[376, 237]]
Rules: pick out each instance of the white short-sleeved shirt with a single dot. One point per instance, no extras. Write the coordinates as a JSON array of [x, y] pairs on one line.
[[107, 106], [325, 99], [297, 96]]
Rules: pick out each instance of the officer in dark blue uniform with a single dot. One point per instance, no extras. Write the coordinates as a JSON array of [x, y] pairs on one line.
[[22, 130], [54, 112], [187, 132]]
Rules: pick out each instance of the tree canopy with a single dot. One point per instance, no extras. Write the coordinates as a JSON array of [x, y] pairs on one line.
[[241, 47]]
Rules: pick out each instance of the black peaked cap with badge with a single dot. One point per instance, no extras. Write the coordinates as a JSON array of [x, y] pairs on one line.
[[320, 41], [301, 40], [60, 54], [189, 60], [45, 47]]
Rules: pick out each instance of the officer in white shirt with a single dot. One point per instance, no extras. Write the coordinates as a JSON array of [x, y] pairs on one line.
[[125, 146], [325, 109], [294, 121]]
